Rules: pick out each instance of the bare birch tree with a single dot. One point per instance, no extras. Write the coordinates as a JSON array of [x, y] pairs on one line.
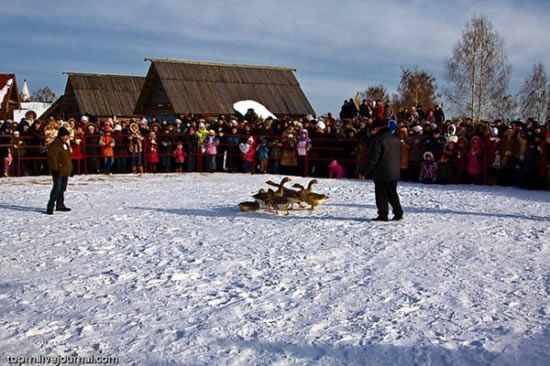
[[534, 95], [478, 72], [506, 108]]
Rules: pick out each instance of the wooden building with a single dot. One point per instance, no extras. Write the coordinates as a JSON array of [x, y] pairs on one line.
[[9, 96], [97, 95], [174, 87]]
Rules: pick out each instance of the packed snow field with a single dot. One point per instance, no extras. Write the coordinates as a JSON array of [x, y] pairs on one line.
[[165, 270]]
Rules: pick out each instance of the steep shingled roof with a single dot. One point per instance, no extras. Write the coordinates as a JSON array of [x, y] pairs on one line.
[[211, 88], [101, 95]]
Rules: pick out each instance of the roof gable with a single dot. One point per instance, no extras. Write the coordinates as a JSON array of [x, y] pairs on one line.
[[104, 95], [213, 88]]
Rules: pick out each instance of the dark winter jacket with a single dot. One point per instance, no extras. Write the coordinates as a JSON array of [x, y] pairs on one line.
[[436, 146], [383, 157], [191, 144]]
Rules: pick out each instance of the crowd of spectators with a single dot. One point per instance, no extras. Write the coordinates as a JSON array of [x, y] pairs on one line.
[[433, 149]]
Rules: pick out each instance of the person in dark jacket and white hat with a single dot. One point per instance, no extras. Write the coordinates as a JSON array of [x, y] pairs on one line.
[[60, 166], [383, 161]]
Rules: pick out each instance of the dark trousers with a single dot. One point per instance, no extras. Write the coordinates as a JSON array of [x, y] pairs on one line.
[[166, 162], [247, 166], [386, 192], [108, 162], [121, 165], [210, 163], [190, 162], [57, 195]]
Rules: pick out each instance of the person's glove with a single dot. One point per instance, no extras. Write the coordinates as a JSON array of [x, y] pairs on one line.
[[55, 173]]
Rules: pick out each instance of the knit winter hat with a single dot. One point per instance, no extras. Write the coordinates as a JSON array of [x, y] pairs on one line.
[[63, 132]]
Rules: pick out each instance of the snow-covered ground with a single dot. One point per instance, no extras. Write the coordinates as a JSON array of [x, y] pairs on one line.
[[165, 270]]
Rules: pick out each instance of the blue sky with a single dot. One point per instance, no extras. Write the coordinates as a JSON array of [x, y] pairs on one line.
[[337, 47]]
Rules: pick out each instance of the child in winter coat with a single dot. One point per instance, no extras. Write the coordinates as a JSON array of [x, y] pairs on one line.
[[302, 148], [249, 152], [428, 171], [336, 170], [107, 143], [135, 147], [461, 159], [474, 160], [151, 152], [8, 160], [179, 157], [275, 155], [77, 149], [443, 168], [210, 149], [262, 153]]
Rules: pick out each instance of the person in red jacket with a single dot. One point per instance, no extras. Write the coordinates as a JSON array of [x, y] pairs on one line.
[[379, 109], [249, 154], [179, 157], [151, 151], [77, 148]]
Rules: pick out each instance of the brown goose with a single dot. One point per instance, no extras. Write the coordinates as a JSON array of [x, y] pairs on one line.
[[311, 198], [280, 203], [292, 195], [264, 197], [249, 206], [278, 199]]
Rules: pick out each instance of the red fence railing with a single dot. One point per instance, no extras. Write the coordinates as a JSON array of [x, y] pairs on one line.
[[30, 157]]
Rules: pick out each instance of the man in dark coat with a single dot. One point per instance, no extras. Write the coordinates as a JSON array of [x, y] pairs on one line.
[[383, 161], [60, 166]]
